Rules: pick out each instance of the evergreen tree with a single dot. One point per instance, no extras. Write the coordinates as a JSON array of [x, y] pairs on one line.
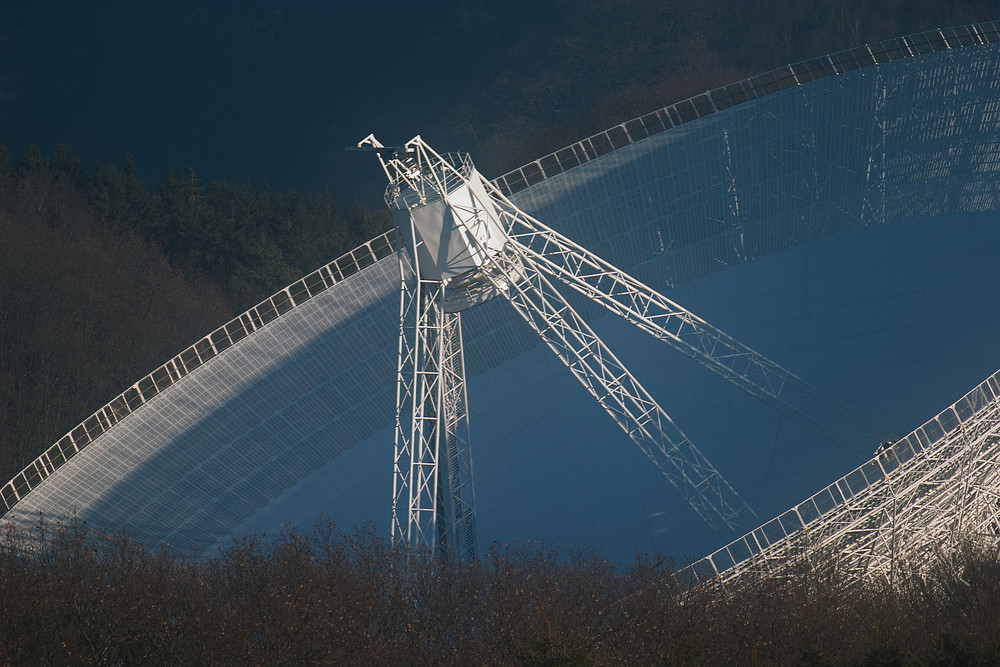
[[5, 166]]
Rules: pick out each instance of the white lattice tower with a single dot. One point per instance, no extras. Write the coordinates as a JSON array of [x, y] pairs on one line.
[[433, 494], [465, 243], [433, 503]]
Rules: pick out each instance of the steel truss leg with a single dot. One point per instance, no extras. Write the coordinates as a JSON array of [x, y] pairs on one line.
[[618, 392], [433, 499], [670, 322]]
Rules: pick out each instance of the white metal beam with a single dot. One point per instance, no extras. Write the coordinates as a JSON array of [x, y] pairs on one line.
[[621, 395], [647, 309]]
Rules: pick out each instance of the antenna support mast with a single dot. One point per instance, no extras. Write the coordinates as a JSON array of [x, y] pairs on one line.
[[463, 243]]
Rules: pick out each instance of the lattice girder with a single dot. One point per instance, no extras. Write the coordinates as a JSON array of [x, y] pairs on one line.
[[433, 497], [621, 395], [939, 485], [696, 338]]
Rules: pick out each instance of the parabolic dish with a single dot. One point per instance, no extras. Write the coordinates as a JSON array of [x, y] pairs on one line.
[[839, 215]]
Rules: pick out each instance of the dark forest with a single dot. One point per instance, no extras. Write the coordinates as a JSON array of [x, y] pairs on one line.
[[322, 597]]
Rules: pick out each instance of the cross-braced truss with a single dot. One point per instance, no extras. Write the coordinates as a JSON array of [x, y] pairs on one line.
[[433, 498], [467, 243], [915, 500], [666, 320], [537, 301]]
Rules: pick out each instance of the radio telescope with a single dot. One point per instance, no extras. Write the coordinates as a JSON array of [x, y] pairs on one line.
[[837, 215]]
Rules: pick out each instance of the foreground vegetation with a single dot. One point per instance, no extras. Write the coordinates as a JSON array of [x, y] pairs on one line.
[[322, 597]]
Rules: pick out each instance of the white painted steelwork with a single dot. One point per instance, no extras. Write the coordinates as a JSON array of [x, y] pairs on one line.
[[433, 505], [441, 204], [448, 201], [670, 322], [915, 500]]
